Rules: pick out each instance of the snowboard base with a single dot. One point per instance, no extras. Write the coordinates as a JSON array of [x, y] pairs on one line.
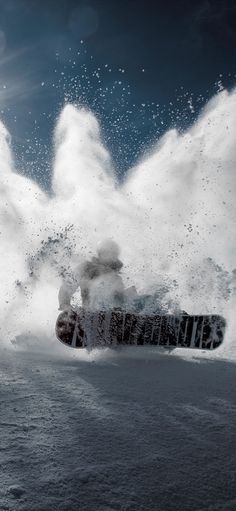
[[112, 328]]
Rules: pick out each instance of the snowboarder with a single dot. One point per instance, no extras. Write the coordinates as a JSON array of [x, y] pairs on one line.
[[99, 280]]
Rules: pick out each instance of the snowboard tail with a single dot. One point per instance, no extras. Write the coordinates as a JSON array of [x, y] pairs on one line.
[[85, 329]]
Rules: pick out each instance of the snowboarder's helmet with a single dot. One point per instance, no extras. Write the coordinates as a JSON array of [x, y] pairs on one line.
[[108, 250]]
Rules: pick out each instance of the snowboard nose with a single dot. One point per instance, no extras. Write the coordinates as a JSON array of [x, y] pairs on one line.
[[69, 329]]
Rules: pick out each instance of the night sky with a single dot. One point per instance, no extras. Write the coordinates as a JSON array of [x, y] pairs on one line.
[[141, 66]]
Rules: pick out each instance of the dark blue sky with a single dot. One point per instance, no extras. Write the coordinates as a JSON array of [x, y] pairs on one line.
[[142, 66]]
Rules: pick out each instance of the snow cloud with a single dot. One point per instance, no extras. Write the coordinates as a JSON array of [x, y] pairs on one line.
[[174, 219]]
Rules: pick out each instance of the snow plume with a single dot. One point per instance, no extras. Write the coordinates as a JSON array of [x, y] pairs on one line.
[[173, 219]]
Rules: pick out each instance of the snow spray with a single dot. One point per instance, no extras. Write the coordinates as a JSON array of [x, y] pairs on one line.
[[173, 218]]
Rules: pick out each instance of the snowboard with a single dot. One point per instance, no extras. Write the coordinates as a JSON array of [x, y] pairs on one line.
[[112, 328]]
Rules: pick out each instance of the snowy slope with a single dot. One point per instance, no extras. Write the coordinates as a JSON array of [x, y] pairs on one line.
[[127, 431]]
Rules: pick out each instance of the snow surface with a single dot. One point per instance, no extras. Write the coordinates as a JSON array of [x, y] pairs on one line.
[[130, 430]]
